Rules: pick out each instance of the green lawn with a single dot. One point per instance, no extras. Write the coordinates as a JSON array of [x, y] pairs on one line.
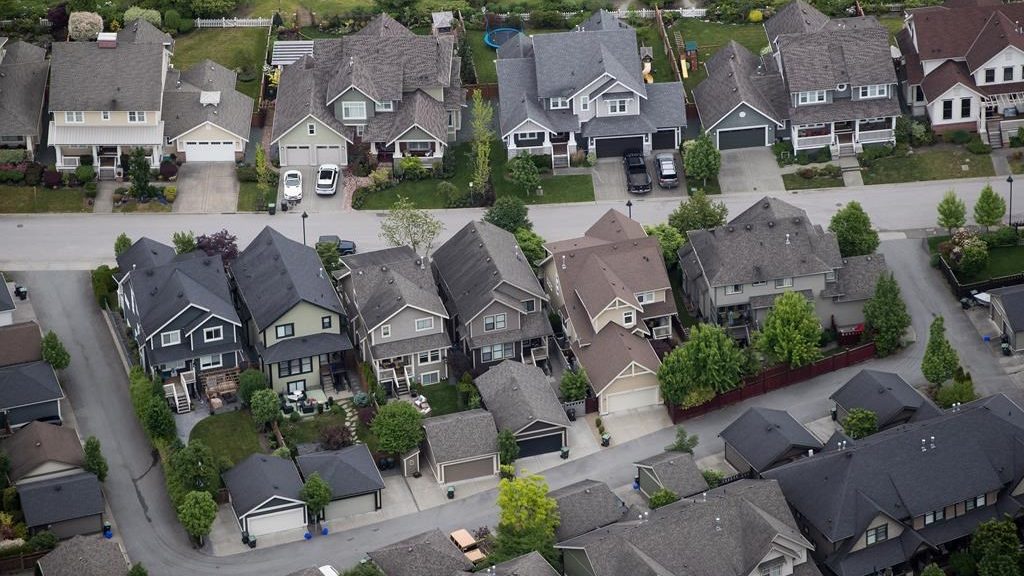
[[483, 58], [894, 23], [443, 398], [795, 182], [247, 194], [233, 48], [929, 164], [231, 435], [307, 430], [152, 207], [365, 435], [710, 36], [31, 199], [710, 187], [648, 36], [1002, 260]]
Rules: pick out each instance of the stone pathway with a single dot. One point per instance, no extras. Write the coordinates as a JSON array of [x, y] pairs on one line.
[[351, 415], [352, 183]]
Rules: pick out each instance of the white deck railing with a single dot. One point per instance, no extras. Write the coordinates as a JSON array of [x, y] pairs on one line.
[[869, 136]]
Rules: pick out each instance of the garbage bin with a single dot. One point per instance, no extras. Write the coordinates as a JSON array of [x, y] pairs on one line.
[[245, 537], [272, 208], [284, 205], [451, 492], [606, 439], [571, 414], [564, 453], [834, 413], [252, 542]]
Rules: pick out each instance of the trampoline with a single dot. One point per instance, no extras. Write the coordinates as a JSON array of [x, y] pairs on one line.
[[495, 38]]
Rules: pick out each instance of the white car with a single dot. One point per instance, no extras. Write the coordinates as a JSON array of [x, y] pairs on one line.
[[327, 179], [292, 185]]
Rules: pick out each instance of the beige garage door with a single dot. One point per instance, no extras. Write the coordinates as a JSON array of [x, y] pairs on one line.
[[297, 156], [276, 522], [330, 155], [340, 509], [467, 470], [631, 399]]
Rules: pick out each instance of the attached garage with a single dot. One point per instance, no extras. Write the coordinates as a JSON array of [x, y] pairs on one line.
[[521, 400], [257, 524], [355, 482], [461, 446], [297, 156], [614, 147], [209, 151], [639, 398], [264, 494], [742, 138], [469, 470], [344, 508], [541, 444], [334, 154], [665, 140]]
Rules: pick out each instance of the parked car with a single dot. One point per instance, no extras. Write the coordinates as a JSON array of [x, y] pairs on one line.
[[329, 570], [293, 185], [345, 247], [468, 544], [638, 180], [668, 177], [327, 179]]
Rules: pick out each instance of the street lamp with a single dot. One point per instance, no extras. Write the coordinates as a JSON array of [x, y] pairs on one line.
[[629, 206], [304, 216], [1009, 214]]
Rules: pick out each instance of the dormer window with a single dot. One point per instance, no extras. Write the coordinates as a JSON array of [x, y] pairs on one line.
[[877, 534], [841, 87], [874, 91], [559, 103], [386, 106], [311, 129], [812, 97], [353, 110], [629, 318], [105, 115], [619, 106]]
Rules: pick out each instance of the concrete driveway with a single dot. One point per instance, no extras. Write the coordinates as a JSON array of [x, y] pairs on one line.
[[610, 181], [310, 201], [207, 188], [750, 170]]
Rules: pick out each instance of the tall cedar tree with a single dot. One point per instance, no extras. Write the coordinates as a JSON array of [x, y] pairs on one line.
[[886, 315], [940, 359]]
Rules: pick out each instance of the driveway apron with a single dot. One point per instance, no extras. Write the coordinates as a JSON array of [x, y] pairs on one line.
[[207, 188], [750, 170]]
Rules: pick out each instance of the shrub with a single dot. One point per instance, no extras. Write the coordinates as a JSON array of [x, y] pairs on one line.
[[137, 13], [84, 25], [783, 152], [712, 477], [52, 178], [169, 169], [755, 16], [12, 156], [33, 174], [959, 137], [104, 286], [246, 174], [187, 25], [807, 173], [43, 541], [91, 190], [11, 176], [85, 173], [976, 146], [172, 21], [361, 399], [11, 503], [170, 193], [1005, 236], [412, 169], [662, 497], [872, 153], [830, 171]]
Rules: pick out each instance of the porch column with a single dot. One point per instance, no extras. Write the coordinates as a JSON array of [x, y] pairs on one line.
[[438, 149], [373, 147], [96, 158], [156, 156], [60, 156], [512, 141], [856, 130], [892, 124], [29, 147], [398, 149], [547, 139]]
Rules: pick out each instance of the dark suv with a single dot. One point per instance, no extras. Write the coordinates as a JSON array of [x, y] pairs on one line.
[[345, 247]]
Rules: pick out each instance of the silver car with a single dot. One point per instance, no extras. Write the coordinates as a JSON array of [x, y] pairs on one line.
[[666, 166], [327, 179]]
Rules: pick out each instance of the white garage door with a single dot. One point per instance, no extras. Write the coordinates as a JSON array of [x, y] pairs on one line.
[[329, 155], [341, 509], [277, 521], [296, 156], [207, 151], [632, 399]]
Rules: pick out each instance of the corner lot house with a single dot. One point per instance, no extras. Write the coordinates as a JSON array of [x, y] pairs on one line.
[[23, 76], [352, 474], [461, 446], [584, 90], [385, 86], [264, 495], [522, 401]]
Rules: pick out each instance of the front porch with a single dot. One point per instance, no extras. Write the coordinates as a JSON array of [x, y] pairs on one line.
[[844, 138], [106, 159], [428, 151], [560, 146]]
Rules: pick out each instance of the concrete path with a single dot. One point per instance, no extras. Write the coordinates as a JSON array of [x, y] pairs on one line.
[[104, 203], [851, 171], [207, 188], [750, 170], [1000, 162]]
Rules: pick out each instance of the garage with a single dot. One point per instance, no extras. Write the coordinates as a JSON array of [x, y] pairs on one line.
[[351, 473], [461, 446], [296, 156], [745, 138], [346, 507], [540, 445], [664, 140], [468, 470], [257, 525], [265, 494], [613, 147], [632, 399], [207, 151], [330, 155]]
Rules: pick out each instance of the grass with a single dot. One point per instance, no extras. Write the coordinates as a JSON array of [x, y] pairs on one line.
[[483, 58], [365, 435], [247, 195], [1002, 260], [230, 435], [151, 207], [233, 48], [929, 164], [710, 187], [662, 67], [676, 280], [35, 200], [710, 36], [796, 182], [307, 430], [443, 398], [894, 23]]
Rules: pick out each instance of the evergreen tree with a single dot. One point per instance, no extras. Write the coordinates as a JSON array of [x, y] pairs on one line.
[[940, 359], [886, 315]]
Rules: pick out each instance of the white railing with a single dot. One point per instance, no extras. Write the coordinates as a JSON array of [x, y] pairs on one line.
[[866, 136], [233, 22], [644, 13], [661, 332], [806, 142]]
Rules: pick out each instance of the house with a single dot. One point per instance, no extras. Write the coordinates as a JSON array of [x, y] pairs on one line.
[[822, 83], [352, 474], [898, 499], [612, 293], [762, 438], [23, 74], [395, 316], [741, 528], [20, 343], [963, 64], [41, 451], [532, 564], [492, 295], [428, 554], [585, 506], [143, 253], [292, 315], [67, 505], [889, 396], [84, 556], [29, 392], [7, 305], [205, 118], [673, 471], [1007, 311], [522, 401], [385, 86], [264, 495], [461, 446], [732, 274], [584, 90]]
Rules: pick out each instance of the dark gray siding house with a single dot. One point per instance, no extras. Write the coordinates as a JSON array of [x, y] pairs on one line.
[[67, 505], [29, 392], [889, 396]]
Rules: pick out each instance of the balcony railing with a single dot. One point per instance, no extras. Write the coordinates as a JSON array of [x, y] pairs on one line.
[[805, 142], [874, 136], [661, 332]]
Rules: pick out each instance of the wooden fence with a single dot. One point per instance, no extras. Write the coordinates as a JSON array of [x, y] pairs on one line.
[[234, 22], [775, 378], [965, 290], [645, 13], [20, 562]]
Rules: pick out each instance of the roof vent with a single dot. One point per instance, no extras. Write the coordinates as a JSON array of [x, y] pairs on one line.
[[787, 239], [107, 40], [796, 220], [771, 224], [209, 98], [748, 227]]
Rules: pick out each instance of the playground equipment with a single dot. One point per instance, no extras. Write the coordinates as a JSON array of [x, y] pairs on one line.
[[687, 54], [647, 57], [495, 37]]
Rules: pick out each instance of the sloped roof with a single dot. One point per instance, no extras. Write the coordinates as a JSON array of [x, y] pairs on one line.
[[517, 97], [518, 395], [20, 342], [144, 253], [25, 384], [797, 17], [762, 436], [6, 297], [677, 472], [736, 76], [141, 31], [461, 435], [85, 556], [416, 110], [856, 280], [1012, 300], [23, 74], [58, 499], [428, 554], [184, 110], [886, 394], [259, 478], [302, 92], [568, 61], [952, 29], [584, 506], [385, 281], [945, 76], [350, 471], [850, 51], [532, 564], [39, 442]]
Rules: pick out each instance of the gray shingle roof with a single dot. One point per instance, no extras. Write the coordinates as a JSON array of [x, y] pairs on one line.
[[144, 253], [85, 556], [142, 32], [1011, 299], [39, 442], [842, 110], [302, 92], [59, 499], [797, 17], [304, 347], [887, 395], [736, 76], [260, 477], [532, 564], [762, 436], [461, 435], [427, 554], [850, 51], [416, 109], [25, 384], [183, 110], [294, 271], [23, 73], [518, 395], [568, 61], [20, 342], [584, 506], [350, 471], [410, 345], [518, 100], [385, 281], [677, 472], [84, 76], [857, 278]]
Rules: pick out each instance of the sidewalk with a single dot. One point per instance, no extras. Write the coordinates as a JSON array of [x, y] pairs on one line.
[[104, 203]]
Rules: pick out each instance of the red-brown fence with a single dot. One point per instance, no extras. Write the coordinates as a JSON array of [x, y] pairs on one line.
[[488, 91], [20, 562], [774, 378]]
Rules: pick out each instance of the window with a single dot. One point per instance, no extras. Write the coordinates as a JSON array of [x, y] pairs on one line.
[[170, 338], [385, 331], [783, 282], [74, 117], [495, 322], [976, 502], [813, 97], [326, 322], [311, 129], [529, 305], [990, 75], [451, 120], [874, 91], [934, 516], [1007, 73], [296, 386], [918, 94], [213, 361], [947, 109], [294, 367], [965, 107], [877, 534], [734, 289], [830, 276], [136, 117], [418, 146], [645, 297], [527, 135], [360, 129], [105, 115], [618, 106], [761, 283], [496, 352], [585, 104], [430, 378], [559, 103], [629, 318], [772, 567], [424, 324], [213, 334], [387, 106], [285, 330], [430, 357], [353, 110]]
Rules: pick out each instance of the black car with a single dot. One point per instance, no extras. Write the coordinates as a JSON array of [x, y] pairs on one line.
[[638, 179], [345, 247]]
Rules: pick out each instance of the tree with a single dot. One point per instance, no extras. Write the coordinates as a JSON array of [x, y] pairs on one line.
[[952, 212], [670, 241], [158, 421], [998, 566], [531, 245], [211, 8], [329, 256], [139, 174], [860, 423], [335, 437], [249, 382], [196, 513], [702, 160], [264, 406], [990, 208], [192, 468], [522, 171], [264, 177], [84, 25], [886, 315], [184, 242], [853, 231], [138, 570], [406, 226], [316, 493], [959, 391], [697, 212], [121, 244], [94, 460], [54, 352], [527, 518], [996, 548], [713, 477], [791, 331], [709, 360], [940, 359], [684, 442], [662, 497], [574, 385], [509, 213], [508, 448], [139, 13], [932, 570], [398, 427], [223, 243], [482, 116]]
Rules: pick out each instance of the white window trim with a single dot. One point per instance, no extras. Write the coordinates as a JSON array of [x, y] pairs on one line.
[[385, 106], [215, 361], [436, 374], [874, 91], [139, 115], [783, 282], [360, 128], [496, 319], [732, 289], [105, 115], [532, 303], [645, 297], [347, 115], [559, 103], [418, 145], [311, 129], [432, 357], [585, 104], [614, 105], [812, 97], [385, 331], [830, 276], [171, 338], [74, 117], [429, 319], [761, 283], [219, 330], [871, 534], [629, 318], [527, 135]]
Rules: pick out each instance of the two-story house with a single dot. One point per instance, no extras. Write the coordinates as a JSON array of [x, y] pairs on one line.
[[584, 90], [612, 293], [822, 83], [963, 63], [384, 85], [495, 302], [395, 316], [732, 274], [292, 315], [898, 499], [24, 70]]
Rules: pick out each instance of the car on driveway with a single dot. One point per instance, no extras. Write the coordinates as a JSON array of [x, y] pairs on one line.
[[327, 179], [345, 247], [638, 180], [292, 185], [668, 177]]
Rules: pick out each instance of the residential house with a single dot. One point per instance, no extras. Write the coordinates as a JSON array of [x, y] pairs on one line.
[[522, 400], [292, 315], [29, 389], [741, 528], [68, 506], [143, 253], [673, 471], [263, 492], [613, 296], [887, 395], [205, 118], [1007, 311], [7, 305], [84, 556], [461, 446], [42, 451], [732, 274], [493, 298], [585, 506], [532, 564], [352, 474], [762, 438], [822, 83], [20, 343], [395, 316], [903, 497], [584, 90], [384, 85], [428, 554], [24, 70]]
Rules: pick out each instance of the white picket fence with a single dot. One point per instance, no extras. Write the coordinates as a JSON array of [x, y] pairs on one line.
[[645, 13], [233, 22]]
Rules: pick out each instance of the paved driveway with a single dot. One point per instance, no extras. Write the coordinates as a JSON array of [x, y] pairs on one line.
[[207, 188], [310, 201], [610, 181], [750, 170]]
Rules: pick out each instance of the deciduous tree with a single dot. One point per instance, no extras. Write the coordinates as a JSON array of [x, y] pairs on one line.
[[698, 212], [932, 570], [406, 226], [708, 360], [522, 171], [121, 244], [574, 385], [853, 231], [264, 406], [996, 548], [222, 242], [702, 160], [94, 460], [990, 208], [509, 213], [791, 331], [196, 513], [398, 427], [84, 25], [531, 245], [684, 442], [940, 359], [669, 239], [527, 518], [54, 353], [508, 448], [316, 493], [886, 315], [138, 570], [952, 212], [192, 468], [662, 497], [860, 423], [184, 242], [329, 256], [249, 382]]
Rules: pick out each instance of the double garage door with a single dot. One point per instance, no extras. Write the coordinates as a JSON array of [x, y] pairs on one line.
[[340, 509], [312, 155], [467, 470], [640, 398], [541, 445], [276, 521], [207, 151], [745, 138], [615, 147]]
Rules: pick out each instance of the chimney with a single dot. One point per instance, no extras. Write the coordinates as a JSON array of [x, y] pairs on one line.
[[107, 40]]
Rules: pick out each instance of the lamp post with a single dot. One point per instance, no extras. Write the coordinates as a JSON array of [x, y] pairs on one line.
[[629, 206], [304, 216], [1009, 214]]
